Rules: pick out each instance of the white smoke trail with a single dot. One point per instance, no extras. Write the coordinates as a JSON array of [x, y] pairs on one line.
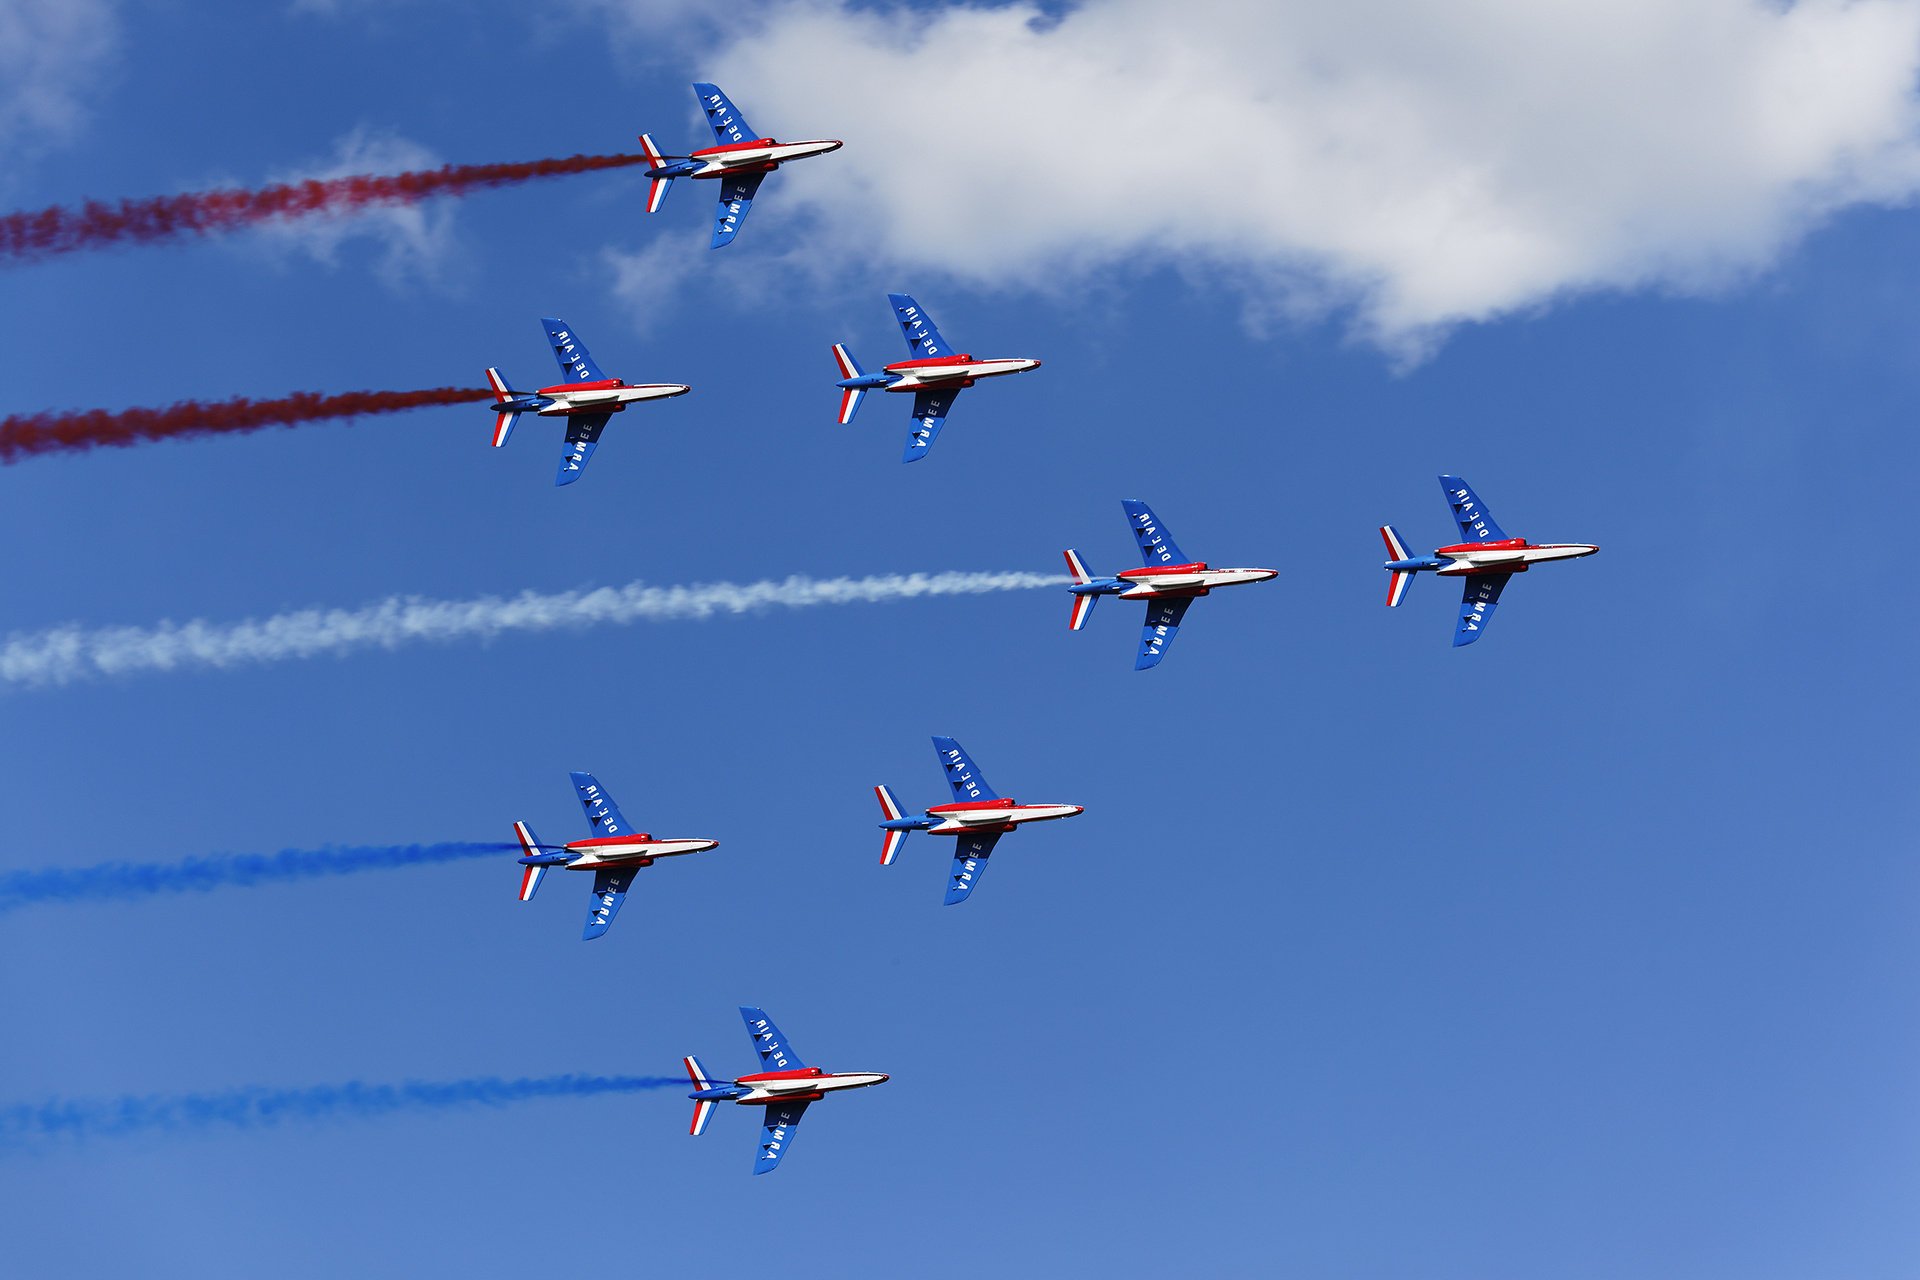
[[62, 655]]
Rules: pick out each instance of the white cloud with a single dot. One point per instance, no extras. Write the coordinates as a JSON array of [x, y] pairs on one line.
[[1413, 163], [53, 53], [416, 241]]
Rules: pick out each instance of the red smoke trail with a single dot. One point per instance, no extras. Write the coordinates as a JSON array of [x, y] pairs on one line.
[[27, 435], [26, 236]]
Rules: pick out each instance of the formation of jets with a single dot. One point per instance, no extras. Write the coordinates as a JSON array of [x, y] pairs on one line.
[[1167, 583]]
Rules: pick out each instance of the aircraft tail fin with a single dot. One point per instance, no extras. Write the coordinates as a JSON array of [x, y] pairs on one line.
[[1082, 602], [702, 1107], [530, 875], [890, 847], [658, 191], [1398, 580], [502, 423], [849, 396]]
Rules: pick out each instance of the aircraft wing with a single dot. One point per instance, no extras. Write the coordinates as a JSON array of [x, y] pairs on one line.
[[775, 1053], [609, 891], [1483, 593], [725, 119], [923, 339], [1156, 544], [1476, 524], [963, 778], [603, 815], [583, 437], [776, 1133], [736, 197], [969, 864], [575, 364], [1163, 623], [930, 409]]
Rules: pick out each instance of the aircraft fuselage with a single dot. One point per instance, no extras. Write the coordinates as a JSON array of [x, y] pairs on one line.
[[1510, 556], [1160, 581], [808, 1084], [950, 371], [762, 154], [638, 849], [993, 815], [609, 395]]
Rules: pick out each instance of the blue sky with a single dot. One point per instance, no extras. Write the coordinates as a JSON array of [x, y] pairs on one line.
[[1585, 951]]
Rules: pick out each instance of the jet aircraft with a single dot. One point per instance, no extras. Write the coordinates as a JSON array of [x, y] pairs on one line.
[[935, 375], [742, 159], [784, 1085], [1168, 583], [1485, 557], [586, 401], [613, 853], [978, 816]]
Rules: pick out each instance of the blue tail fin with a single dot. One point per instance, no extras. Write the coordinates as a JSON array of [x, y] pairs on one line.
[[1156, 546], [923, 340], [965, 780], [1476, 523]]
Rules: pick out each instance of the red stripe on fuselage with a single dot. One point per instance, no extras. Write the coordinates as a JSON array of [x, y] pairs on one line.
[[637, 837], [1461, 548], [972, 804], [604, 384], [1155, 570], [804, 1073], [731, 147], [932, 362]]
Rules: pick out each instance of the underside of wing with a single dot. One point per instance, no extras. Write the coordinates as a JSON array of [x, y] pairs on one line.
[[583, 437], [969, 864], [1476, 606], [736, 197], [609, 893], [930, 410], [776, 1134], [1163, 623]]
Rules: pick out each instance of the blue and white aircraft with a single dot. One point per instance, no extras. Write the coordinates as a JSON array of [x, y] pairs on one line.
[[1169, 582], [1485, 556], [586, 401], [741, 160], [784, 1085], [613, 853], [978, 817], [935, 375]]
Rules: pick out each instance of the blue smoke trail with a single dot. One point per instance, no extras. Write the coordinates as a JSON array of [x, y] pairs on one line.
[[120, 881], [255, 1108]]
